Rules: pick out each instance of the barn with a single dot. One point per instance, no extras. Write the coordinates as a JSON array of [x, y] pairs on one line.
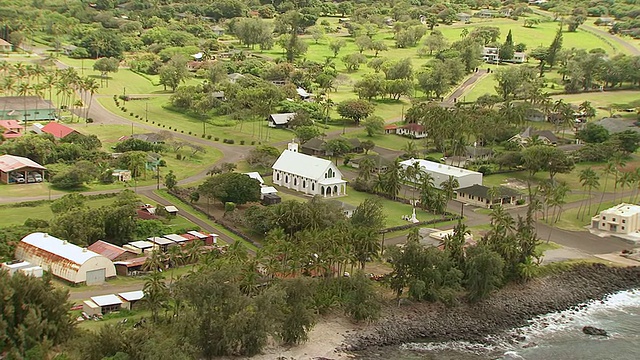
[[65, 260]]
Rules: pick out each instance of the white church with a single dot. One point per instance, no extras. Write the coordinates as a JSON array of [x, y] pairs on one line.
[[308, 174]]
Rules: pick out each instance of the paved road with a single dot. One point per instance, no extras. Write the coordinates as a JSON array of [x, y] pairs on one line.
[[466, 85], [617, 39]]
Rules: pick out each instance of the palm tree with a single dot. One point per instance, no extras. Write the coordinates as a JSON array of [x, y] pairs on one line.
[[155, 293], [426, 190], [392, 179], [609, 169], [493, 193], [626, 179], [619, 162], [365, 168], [411, 149], [590, 180], [560, 191], [92, 87], [175, 257], [449, 187], [23, 90]]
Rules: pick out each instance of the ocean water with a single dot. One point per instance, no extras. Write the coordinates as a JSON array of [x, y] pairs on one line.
[[553, 336]]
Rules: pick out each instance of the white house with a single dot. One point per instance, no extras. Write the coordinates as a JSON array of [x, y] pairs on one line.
[[620, 219], [308, 174], [65, 260], [412, 130], [264, 189], [492, 55], [280, 121], [442, 172]]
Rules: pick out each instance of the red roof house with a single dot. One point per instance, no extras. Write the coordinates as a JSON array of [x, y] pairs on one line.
[[58, 130], [110, 251], [412, 130], [390, 129], [11, 129]]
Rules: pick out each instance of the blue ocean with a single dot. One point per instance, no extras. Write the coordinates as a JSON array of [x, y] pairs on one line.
[[552, 336]]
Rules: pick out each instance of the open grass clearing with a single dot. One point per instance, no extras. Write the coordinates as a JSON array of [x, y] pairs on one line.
[[569, 219], [112, 319], [16, 215]]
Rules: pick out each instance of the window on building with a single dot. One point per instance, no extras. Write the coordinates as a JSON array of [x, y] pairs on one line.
[[295, 181], [330, 173], [603, 224], [304, 184], [313, 186], [623, 228], [614, 219], [604, 217], [278, 176], [286, 179], [624, 221]]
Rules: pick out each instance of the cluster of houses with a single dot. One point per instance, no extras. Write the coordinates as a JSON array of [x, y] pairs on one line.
[[93, 265]]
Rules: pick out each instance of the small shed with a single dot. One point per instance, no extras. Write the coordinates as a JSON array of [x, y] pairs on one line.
[[111, 251], [172, 210], [271, 199], [121, 175], [280, 121], [140, 247], [107, 303], [207, 239], [5, 46], [130, 298], [130, 267], [255, 175], [266, 190], [58, 130], [162, 243], [181, 240], [33, 270], [90, 308], [13, 266]]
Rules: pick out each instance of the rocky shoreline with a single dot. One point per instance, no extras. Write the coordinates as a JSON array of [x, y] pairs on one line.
[[511, 307]]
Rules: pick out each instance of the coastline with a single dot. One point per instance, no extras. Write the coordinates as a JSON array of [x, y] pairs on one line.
[[336, 338], [511, 307]]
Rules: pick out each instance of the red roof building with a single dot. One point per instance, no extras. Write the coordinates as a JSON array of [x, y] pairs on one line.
[[11, 129], [110, 251], [412, 130], [58, 130], [390, 129]]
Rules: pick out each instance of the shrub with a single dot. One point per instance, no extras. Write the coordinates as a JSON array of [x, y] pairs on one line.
[[224, 141], [178, 156], [89, 120], [189, 132], [253, 143], [520, 202], [153, 122], [230, 141], [202, 136], [130, 114], [209, 137], [182, 131], [137, 116], [169, 127], [163, 125], [485, 170], [241, 142], [216, 138]]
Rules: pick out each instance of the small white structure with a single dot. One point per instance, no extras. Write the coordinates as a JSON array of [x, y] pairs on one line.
[[441, 173], [102, 304], [37, 128], [620, 219], [441, 235], [178, 239], [308, 174], [255, 175], [23, 267], [412, 130], [140, 247], [171, 209], [492, 55], [65, 260], [280, 121], [130, 298]]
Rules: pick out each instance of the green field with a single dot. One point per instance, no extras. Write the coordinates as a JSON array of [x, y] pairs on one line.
[[12, 215]]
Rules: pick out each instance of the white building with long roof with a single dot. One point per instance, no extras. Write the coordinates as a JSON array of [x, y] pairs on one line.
[[441, 173], [308, 174], [64, 259]]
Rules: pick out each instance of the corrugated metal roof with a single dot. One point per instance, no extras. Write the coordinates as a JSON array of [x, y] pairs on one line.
[[57, 130], [197, 234], [177, 238], [281, 119], [106, 249], [11, 162], [141, 244], [255, 175], [306, 166], [171, 209], [132, 262], [132, 295], [106, 300], [268, 190], [160, 241], [59, 248]]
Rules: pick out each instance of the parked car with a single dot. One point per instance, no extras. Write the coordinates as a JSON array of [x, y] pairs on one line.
[[31, 179], [37, 176], [19, 178]]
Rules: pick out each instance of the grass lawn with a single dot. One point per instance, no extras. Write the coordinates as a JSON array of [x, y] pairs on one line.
[[112, 319], [616, 99], [569, 220], [387, 141], [221, 127], [541, 35], [12, 215]]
